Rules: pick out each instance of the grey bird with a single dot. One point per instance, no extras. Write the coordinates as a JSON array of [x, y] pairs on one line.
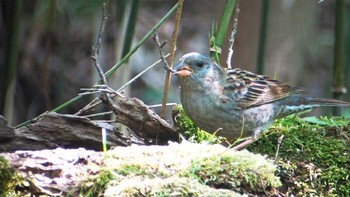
[[237, 103]]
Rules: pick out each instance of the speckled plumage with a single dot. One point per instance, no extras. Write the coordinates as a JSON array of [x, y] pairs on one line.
[[239, 102]]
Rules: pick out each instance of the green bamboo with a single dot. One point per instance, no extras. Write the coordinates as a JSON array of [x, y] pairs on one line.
[[346, 111], [116, 66], [130, 29], [11, 61], [220, 34], [138, 45], [339, 51], [262, 36], [121, 7], [347, 47]]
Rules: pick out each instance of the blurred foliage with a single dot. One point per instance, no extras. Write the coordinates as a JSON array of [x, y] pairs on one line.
[[55, 39]]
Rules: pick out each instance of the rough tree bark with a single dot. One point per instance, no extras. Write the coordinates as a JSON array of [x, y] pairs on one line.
[[52, 130]]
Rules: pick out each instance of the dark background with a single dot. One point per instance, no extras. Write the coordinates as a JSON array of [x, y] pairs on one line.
[[54, 42]]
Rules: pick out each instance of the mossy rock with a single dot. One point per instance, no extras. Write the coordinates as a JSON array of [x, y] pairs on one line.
[[8, 179], [313, 158], [185, 169]]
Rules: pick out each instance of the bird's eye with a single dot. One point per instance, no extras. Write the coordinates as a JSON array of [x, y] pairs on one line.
[[200, 64]]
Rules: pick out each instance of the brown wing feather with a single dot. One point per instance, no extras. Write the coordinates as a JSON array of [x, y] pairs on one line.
[[249, 89]]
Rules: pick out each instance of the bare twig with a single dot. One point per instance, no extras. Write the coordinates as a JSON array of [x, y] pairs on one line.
[[98, 42], [171, 58], [159, 105], [141, 73], [279, 142], [94, 103], [97, 101], [231, 40], [90, 106], [116, 66], [161, 53], [98, 114], [101, 89]]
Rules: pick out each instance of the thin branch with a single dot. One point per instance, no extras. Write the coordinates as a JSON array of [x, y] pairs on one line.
[[161, 53], [115, 67], [141, 73], [94, 103], [101, 89], [90, 106], [171, 58], [231, 40], [159, 105], [138, 45], [98, 114], [89, 91], [104, 89], [98, 42]]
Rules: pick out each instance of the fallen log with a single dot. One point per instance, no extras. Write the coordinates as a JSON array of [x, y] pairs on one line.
[[51, 130]]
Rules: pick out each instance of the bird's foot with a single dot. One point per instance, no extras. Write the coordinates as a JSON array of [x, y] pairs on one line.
[[250, 140], [243, 144]]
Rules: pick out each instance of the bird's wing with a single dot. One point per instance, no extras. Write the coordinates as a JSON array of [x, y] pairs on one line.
[[248, 89]]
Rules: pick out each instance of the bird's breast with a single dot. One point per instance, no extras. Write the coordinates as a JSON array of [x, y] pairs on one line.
[[210, 112]]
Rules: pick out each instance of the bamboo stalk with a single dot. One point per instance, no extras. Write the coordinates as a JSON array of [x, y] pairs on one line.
[[220, 34], [130, 29], [262, 36], [339, 50], [12, 62]]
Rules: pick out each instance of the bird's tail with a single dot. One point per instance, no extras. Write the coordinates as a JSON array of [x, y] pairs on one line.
[[327, 102], [299, 103]]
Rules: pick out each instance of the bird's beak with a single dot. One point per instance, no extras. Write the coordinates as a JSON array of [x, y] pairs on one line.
[[182, 70]]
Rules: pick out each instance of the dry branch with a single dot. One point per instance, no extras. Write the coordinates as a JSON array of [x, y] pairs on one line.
[[52, 130], [133, 113]]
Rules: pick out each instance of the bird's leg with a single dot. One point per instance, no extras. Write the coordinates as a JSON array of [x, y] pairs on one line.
[[244, 144], [217, 130], [225, 142], [252, 139]]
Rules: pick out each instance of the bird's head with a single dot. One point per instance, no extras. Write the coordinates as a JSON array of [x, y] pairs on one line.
[[196, 65]]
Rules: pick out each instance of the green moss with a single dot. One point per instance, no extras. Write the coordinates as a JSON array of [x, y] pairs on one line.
[[314, 157], [131, 169], [157, 187], [189, 130], [242, 172], [5, 176], [316, 151], [8, 179], [95, 185]]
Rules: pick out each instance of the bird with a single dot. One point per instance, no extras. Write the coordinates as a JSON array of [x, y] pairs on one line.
[[236, 103]]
